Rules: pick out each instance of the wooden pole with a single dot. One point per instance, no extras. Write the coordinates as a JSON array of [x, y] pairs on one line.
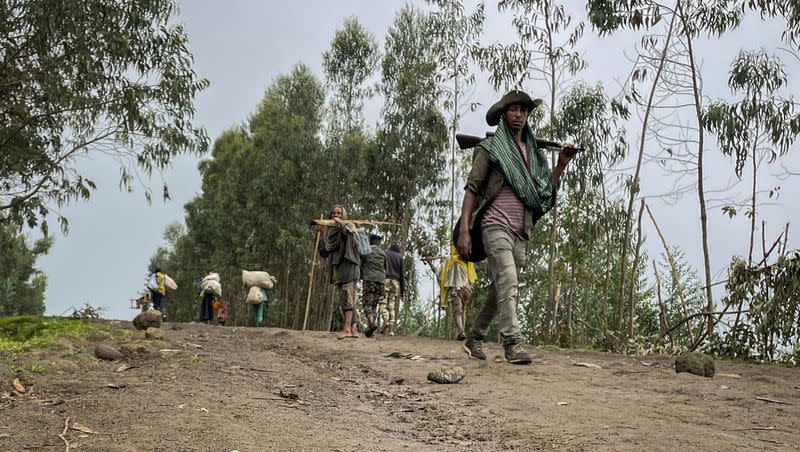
[[311, 277]]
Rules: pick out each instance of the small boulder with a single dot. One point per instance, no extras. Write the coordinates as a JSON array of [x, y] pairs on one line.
[[154, 333], [107, 352], [447, 375], [133, 350], [147, 319], [695, 363]]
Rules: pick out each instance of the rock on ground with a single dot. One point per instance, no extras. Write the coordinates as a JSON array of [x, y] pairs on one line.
[[107, 352], [447, 375], [695, 363], [147, 319]]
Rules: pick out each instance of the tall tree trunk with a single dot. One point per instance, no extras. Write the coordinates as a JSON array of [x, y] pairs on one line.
[[753, 209], [634, 189], [407, 214], [700, 171], [551, 258], [634, 272], [453, 151]]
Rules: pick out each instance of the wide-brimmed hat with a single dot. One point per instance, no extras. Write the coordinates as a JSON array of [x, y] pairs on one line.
[[510, 98]]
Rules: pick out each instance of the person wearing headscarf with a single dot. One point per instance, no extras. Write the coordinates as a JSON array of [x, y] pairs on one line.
[[340, 249]]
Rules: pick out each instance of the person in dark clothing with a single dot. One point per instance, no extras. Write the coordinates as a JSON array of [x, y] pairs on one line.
[[206, 311], [340, 248], [394, 288], [373, 276]]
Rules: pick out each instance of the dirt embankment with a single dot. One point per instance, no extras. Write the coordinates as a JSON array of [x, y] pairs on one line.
[[254, 389]]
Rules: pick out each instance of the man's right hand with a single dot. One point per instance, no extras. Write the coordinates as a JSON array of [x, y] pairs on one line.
[[464, 246]]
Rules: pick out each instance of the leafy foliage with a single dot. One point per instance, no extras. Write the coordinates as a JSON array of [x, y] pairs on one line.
[[772, 295], [352, 58], [22, 285], [87, 77]]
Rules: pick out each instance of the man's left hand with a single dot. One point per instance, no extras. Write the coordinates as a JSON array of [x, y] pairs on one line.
[[566, 154]]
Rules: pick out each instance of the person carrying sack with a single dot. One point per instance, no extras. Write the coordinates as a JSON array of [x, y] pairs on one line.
[[157, 291], [509, 187]]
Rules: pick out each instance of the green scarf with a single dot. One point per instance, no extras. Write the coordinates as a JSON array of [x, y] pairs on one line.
[[532, 185]]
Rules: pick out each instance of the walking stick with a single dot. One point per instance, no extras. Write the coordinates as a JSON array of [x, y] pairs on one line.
[[311, 277]]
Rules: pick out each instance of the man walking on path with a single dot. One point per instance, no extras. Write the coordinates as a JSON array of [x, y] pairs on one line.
[[395, 288], [373, 275], [509, 187]]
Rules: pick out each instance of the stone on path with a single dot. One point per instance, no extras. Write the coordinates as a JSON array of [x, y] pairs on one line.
[[107, 352], [447, 375], [695, 363], [147, 319]]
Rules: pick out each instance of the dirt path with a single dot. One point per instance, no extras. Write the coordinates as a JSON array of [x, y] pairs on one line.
[[255, 389]]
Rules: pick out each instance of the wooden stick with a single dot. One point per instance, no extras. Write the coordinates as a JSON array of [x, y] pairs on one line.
[[311, 277], [63, 434], [751, 428], [780, 402], [325, 222]]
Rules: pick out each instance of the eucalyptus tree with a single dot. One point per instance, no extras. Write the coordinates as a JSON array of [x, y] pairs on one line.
[[260, 188], [348, 64], [22, 285], [680, 76], [87, 78], [762, 125], [586, 115], [455, 38], [412, 134]]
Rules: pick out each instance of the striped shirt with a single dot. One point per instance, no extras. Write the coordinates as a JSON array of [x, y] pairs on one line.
[[506, 209]]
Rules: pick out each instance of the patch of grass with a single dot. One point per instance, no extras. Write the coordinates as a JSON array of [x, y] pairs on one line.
[[15, 369], [195, 359], [127, 336], [18, 334], [37, 368]]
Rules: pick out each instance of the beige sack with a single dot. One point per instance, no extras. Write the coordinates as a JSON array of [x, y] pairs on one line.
[[169, 283], [213, 276], [213, 287], [254, 295], [257, 279]]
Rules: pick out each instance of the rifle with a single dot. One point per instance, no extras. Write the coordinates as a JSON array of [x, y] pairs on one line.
[[470, 141]]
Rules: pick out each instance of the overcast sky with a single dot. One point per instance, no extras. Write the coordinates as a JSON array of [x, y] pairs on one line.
[[242, 45]]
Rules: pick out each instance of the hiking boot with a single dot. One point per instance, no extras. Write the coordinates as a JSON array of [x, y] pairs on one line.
[[474, 348], [515, 354], [461, 337]]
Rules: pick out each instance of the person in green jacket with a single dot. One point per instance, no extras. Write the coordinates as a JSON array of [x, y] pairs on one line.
[[373, 275]]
